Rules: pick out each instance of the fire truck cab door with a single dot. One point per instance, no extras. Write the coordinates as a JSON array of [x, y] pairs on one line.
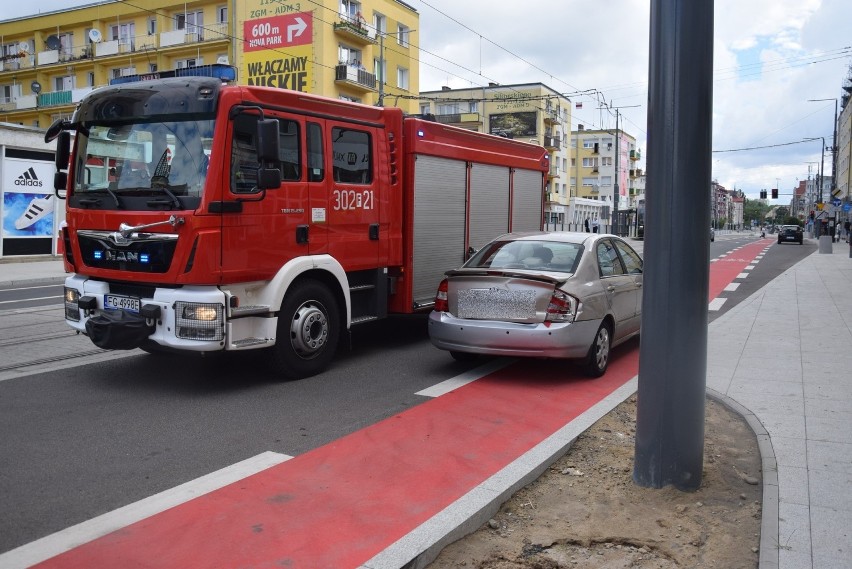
[[345, 202], [272, 226]]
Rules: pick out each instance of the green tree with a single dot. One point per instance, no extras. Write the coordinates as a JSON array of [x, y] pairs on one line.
[[754, 210]]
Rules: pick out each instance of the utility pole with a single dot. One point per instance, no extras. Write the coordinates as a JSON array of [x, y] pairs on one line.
[[673, 353], [834, 147]]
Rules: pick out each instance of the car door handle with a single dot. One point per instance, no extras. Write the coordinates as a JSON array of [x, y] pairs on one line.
[[610, 288]]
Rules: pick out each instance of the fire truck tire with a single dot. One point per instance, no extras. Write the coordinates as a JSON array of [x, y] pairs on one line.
[[308, 331]]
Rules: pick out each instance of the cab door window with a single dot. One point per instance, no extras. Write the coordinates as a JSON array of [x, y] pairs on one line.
[[244, 162], [353, 156]]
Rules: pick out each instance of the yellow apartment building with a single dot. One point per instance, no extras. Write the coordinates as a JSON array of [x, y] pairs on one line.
[[358, 51], [532, 112], [602, 161]]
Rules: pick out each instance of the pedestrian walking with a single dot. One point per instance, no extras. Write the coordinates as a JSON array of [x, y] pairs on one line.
[[586, 223], [596, 225]]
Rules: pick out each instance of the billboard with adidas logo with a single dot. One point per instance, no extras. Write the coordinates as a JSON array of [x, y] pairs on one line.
[[28, 200]]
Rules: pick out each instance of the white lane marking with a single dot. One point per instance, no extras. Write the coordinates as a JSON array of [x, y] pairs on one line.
[[32, 287], [463, 379], [731, 287], [749, 267], [84, 532], [716, 304], [742, 275], [54, 297]]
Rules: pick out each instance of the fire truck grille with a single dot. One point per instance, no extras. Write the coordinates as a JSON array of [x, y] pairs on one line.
[[149, 255]]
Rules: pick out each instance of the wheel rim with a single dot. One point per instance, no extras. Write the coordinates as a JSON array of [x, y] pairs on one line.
[[602, 348], [309, 329]]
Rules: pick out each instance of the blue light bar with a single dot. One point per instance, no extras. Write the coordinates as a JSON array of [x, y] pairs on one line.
[[225, 73]]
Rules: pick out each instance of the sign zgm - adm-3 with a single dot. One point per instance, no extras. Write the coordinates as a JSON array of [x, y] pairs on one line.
[[278, 31]]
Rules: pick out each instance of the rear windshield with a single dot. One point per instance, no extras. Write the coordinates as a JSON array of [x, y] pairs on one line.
[[541, 255]]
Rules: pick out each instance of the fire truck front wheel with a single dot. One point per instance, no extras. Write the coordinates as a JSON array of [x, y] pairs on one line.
[[308, 331]]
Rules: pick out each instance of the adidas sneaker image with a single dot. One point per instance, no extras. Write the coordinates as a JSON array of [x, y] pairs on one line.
[[38, 209]]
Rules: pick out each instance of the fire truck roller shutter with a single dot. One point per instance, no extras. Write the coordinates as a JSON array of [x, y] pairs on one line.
[[527, 200], [439, 222], [489, 203]]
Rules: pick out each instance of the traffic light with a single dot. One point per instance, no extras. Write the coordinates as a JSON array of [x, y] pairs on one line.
[[774, 193], [763, 194]]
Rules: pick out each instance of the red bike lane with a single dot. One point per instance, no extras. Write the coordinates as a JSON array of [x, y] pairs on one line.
[[341, 504]]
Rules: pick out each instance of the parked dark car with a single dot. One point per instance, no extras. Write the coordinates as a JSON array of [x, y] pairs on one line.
[[788, 233]]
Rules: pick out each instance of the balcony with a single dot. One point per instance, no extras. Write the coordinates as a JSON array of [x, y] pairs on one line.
[[355, 32], [355, 77], [635, 155], [459, 118], [57, 98], [551, 115], [554, 172], [551, 142]]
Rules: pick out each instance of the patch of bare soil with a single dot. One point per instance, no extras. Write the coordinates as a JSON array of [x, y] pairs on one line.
[[586, 511]]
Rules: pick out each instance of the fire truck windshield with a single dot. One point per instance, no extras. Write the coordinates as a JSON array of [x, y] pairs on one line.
[[144, 159]]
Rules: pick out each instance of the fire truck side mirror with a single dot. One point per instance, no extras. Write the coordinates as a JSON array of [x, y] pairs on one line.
[[268, 143], [63, 154], [63, 150]]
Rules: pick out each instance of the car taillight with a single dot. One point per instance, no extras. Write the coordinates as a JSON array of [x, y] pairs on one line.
[[562, 307], [441, 304]]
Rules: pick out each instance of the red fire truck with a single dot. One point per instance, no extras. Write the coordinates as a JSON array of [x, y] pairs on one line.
[[205, 216]]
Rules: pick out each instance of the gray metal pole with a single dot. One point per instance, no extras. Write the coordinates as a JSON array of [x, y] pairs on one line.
[[673, 352], [615, 195]]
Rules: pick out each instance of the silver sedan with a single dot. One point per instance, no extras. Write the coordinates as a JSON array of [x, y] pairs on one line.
[[542, 294]]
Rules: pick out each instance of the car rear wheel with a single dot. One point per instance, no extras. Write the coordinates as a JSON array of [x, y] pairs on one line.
[[597, 359]]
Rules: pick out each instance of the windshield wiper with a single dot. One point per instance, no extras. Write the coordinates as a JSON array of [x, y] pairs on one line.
[[113, 195], [163, 185]]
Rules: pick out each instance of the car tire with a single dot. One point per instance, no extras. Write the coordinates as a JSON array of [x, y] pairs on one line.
[[308, 331], [597, 360]]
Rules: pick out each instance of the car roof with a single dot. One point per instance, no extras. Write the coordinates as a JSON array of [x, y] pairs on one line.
[[578, 237]]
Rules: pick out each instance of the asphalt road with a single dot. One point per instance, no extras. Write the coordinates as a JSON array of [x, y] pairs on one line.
[[100, 430]]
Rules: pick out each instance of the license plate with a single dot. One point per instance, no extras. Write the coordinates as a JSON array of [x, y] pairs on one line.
[[487, 304], [112, 302]]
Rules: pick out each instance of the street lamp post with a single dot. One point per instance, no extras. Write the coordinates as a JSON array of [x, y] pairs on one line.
[[833, 145]]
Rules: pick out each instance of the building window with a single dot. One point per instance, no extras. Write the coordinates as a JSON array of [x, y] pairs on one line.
[[221, 14], [191, 22], [64, 83], [152, 26], [590, 162], [606, 180], [590, 143], [191, 62], [588, 182], [425, 109], [606, 161], [402, 78], [124, 33], [350, 10], [402, 33], [380, 70], [380, 23], [349, 55]]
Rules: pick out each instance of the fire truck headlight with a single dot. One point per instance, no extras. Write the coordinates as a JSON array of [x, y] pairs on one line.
[[200, 321], [72, 309]]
